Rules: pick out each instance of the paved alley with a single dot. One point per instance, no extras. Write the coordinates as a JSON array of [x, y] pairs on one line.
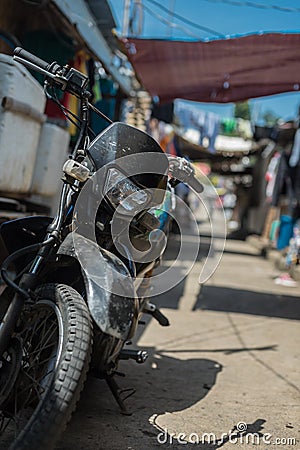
[[225, 374]]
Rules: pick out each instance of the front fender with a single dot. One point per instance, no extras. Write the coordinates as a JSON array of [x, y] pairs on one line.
[[105, 277]]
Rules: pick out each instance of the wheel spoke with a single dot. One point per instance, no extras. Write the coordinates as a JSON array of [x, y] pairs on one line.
[[5, 421], [32, 367], [43, 343], [40, 337]]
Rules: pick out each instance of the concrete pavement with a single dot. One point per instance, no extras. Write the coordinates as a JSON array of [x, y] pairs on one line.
[[226, 371]]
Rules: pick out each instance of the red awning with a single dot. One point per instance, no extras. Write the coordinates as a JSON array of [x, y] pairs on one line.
[[218, 71]]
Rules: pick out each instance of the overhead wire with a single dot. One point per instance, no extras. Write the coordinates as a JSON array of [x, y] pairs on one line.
[[256, 5], [170, 24], [203, 28], [187, 21]]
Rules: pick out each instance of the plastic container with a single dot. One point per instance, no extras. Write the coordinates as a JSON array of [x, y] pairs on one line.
[[285, 232], [19, 132], [51, 154]]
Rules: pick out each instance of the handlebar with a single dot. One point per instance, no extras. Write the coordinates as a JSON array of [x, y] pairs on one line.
[[33, 62], [26, 56], [65, 78], [182, 170]]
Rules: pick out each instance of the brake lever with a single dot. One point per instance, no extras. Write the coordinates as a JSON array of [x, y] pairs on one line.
[[182, 170]]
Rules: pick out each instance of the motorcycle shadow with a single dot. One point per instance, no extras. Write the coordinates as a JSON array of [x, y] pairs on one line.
[[164, 385]]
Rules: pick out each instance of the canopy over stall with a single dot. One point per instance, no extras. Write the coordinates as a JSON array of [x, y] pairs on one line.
[[220, 71]]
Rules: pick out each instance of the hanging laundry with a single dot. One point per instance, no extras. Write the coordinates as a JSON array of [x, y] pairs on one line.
[[198, 119], [295, 154], [207, 123], [183, 115], [271, 175], [282, 182], [210, 130]]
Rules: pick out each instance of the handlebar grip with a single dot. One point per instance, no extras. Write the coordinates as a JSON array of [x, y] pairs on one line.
[[24, 54], [196, 185]]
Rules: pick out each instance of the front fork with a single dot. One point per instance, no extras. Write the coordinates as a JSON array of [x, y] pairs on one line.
[[9, 321], [29, 280]]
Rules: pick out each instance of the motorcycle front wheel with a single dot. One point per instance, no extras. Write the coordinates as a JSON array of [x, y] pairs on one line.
[[43, 371]]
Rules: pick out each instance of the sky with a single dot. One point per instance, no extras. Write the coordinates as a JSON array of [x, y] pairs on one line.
[[215, 18]]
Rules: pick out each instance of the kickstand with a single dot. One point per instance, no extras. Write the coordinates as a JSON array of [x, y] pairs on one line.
[[117, 393]]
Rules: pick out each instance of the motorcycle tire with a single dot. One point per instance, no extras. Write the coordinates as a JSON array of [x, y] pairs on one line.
[[50, 353]]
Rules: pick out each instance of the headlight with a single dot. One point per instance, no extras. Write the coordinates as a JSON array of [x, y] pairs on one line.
[[123, 193]]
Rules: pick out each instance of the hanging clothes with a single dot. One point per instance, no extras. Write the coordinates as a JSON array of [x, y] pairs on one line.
[[210, 130], [183, 115], [207, 123], [295, 186], [294, 171], [271, 175], [282, 185], [295, 153], [287, 184]]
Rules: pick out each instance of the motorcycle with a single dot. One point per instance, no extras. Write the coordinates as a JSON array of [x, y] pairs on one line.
[[75, 289]]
